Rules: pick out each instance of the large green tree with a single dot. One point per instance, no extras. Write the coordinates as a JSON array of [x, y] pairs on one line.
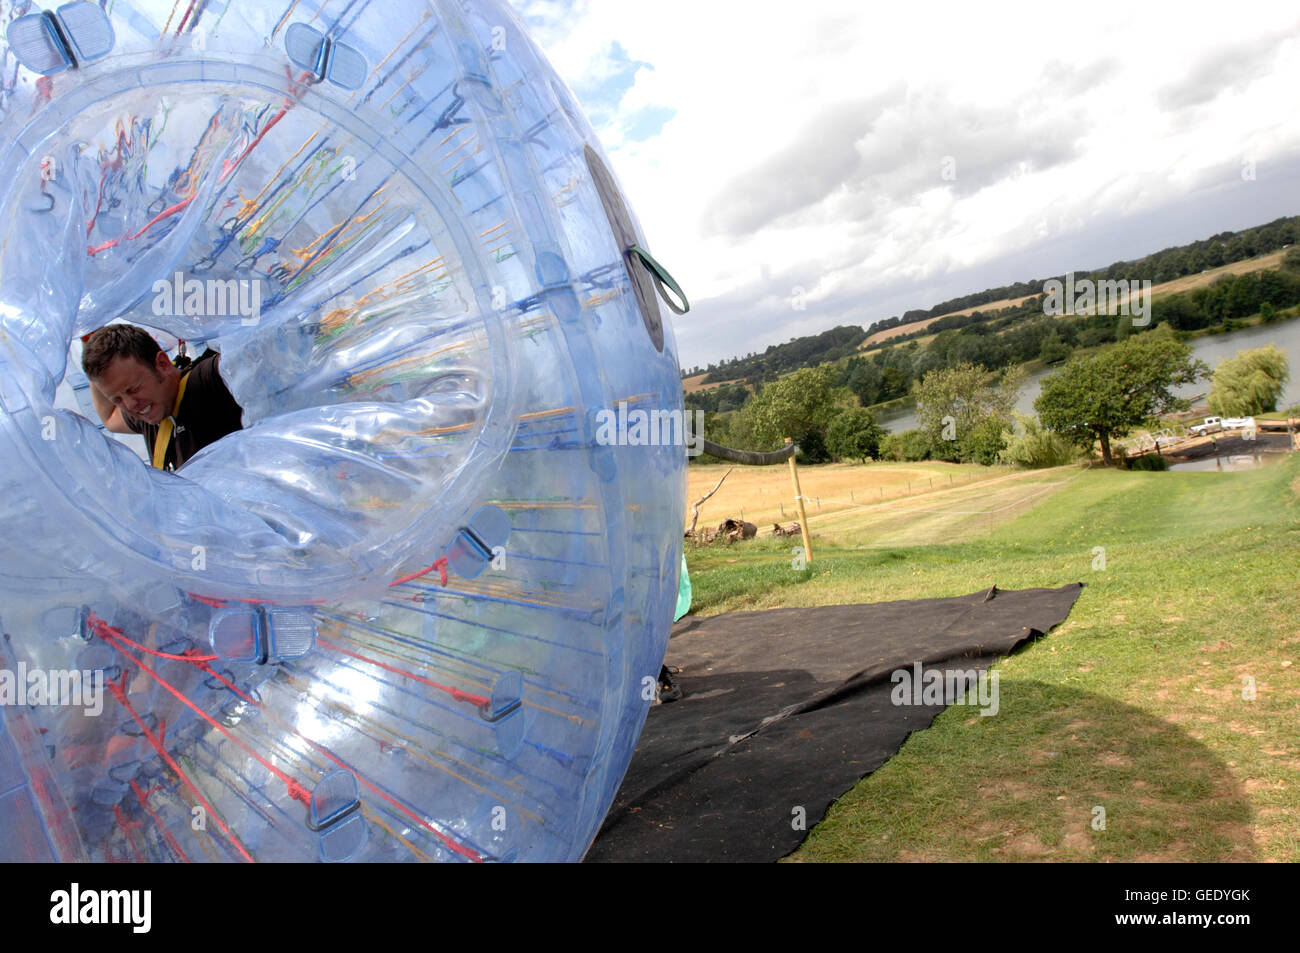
[[1250, 383], [1111, 392], [798, 405], [957, 406]]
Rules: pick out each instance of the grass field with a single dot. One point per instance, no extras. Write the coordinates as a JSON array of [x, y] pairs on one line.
[[880, 504], [1139, 705]]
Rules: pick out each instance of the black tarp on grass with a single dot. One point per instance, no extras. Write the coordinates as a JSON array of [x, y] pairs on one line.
[[790, 708]]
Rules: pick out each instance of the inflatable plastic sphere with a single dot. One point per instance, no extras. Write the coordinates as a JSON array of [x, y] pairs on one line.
[[415, 609]]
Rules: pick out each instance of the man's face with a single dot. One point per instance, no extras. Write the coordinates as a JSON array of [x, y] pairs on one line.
[[145, 392]]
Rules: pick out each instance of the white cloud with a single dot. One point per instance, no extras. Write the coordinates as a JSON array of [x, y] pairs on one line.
[[806, 142]]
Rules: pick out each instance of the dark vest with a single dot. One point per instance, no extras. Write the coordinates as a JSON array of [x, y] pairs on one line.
[[207, 414]]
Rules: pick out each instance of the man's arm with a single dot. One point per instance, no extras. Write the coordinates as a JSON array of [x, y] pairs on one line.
[[108, 413]]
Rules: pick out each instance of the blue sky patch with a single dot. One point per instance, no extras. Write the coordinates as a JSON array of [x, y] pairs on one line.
[[605, 84], [647, 123]]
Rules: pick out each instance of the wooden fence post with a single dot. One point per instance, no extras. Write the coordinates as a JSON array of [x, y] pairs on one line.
[[803, 513]]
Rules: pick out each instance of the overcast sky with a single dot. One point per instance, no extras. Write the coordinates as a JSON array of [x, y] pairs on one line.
[[884, 157]]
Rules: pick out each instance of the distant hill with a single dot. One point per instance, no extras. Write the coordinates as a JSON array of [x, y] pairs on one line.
[[782, 358]]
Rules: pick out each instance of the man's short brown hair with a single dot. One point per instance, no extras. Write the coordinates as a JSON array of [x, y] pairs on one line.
[[117, 340]]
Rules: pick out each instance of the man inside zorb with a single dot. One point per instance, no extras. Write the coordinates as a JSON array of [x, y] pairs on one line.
[[178, 408]]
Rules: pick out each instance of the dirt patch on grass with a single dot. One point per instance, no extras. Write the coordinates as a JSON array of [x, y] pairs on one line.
[[1007, 790], [1023, 846], [1174, 853]]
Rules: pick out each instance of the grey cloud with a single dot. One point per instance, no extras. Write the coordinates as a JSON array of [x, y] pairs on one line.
[[818, 161], [857, 161], [1233, 67], [1064, 80], [986, 145]]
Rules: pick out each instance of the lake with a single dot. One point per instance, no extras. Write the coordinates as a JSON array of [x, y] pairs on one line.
[[1211, 350], [1229, 464]]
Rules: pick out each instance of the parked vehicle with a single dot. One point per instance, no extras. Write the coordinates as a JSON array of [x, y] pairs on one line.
[[1239, 423], [1220, 424]]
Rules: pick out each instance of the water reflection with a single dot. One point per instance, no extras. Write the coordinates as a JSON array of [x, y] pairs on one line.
[[1229, 464]]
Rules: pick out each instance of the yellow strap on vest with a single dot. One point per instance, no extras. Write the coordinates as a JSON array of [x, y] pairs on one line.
[[164, 438]]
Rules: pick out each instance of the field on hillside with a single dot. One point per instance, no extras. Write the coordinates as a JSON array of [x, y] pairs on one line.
[[1190, 282], [879, 337], [1170, 699], [1178, 285], [878, 503], [691, 384], [919, 325]]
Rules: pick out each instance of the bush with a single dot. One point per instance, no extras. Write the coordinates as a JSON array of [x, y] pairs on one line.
[[1096, 336], [984, 443], [1031, 446], [1148, 461], [812, 448], [916, 446], [910, 445], [949, 451], [1053, 350], [854, 435]]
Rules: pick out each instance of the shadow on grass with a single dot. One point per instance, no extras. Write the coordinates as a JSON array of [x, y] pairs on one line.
[[1058, 774]]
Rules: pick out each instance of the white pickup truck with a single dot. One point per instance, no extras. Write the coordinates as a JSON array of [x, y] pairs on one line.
[[1220, 424]]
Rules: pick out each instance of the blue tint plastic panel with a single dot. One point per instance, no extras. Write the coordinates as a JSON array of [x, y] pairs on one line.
[[391, 223], [347, 67], [22, 833], [306, 47], [36, 45], [234, 635], [11, 771], [291, 633], [344, 841], [88, 30]]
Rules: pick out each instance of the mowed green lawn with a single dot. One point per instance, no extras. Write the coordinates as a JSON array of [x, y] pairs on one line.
[[1160, 722]]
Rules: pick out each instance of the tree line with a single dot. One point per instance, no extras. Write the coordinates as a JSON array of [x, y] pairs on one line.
[[966, 413], [1165, 265], [889, 373]]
